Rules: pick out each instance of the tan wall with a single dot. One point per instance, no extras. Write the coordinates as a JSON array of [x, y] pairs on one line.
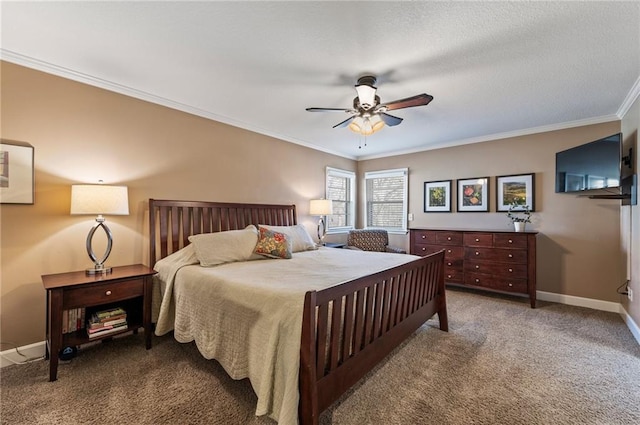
[[82, 134], [579, 241], [630, 216]]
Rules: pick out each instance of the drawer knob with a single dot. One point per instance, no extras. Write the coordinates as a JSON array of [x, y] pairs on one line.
[[477, 253], [510, 241], [424, 249], [424, 237], [449, 251], [511, 284], [477, 267], [510, 255], [448, 276], [477, 280], [108, 293], [477, 240], [449, 238], [510, 270], [449, 263]]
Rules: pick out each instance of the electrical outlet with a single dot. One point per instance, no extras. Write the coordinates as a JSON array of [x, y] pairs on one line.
[[410, 217], [630, 294]]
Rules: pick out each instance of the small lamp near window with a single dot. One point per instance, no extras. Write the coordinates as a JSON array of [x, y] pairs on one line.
[[322, 208], [99, 199]]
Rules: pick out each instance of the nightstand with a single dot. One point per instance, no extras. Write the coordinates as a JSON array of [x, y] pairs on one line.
[[128, 287], [335, 245]]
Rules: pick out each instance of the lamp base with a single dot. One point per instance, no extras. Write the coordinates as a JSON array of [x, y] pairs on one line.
[[98, 270]]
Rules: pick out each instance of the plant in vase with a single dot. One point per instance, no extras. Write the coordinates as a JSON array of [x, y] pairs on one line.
[[519, 215]]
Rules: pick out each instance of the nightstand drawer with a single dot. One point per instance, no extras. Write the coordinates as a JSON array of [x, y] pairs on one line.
[[94, 294]]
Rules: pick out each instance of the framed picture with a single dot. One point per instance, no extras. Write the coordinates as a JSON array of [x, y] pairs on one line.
[[473, 194], [437, 196], [515, 189], [16, 172]]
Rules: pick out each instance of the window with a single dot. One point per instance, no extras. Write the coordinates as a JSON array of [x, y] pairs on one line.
[[341, 190], [386, 199]]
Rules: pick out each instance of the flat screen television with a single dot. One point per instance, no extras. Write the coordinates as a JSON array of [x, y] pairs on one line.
[[594, 165]]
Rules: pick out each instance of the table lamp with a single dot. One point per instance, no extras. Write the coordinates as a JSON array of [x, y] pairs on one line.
[[99, 199], [322, 208]]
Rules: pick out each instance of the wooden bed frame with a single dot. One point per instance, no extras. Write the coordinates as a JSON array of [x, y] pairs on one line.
[[346, 329]]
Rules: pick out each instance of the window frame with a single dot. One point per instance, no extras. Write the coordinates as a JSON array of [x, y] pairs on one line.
[[350, 216], [397, 172]]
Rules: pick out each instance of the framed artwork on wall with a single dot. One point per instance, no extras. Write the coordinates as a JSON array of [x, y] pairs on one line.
[[473, 194], [437, 196], [515, 189], [16, 172]]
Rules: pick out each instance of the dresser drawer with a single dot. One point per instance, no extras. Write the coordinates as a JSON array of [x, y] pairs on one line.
[[510, 240], [94, 294], [450, 252], [500, 284], [518, 271], [424, 237], [449, 238], [511, 256], [478, 239], [453, 275], [423, 249]]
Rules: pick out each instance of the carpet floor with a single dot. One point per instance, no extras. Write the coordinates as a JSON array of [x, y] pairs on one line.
[[500, 363]]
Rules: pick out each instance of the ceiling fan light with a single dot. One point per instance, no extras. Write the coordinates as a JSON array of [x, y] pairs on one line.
[[366, 95], [356, 125], [366, 126], [376, 123]]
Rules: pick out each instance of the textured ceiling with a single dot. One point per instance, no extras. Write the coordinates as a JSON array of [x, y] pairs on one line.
[[495, 69]]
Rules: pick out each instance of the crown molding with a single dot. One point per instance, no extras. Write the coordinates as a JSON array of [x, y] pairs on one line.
[[630, 99], [18, 59]]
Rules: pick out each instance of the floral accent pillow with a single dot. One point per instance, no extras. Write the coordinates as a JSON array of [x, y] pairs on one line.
[[273, 244]]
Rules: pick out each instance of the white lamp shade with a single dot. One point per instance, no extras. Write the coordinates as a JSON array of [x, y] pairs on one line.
[[366, 95], [320, 207], [99, 199]]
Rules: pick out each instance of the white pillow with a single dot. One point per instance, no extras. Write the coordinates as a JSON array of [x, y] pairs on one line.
[[300, 238], [225, 247]]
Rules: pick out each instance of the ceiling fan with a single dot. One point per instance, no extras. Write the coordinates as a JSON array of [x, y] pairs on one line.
[[368, 115]]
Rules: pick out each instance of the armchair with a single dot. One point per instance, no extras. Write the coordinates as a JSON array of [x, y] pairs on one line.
[[371, 240]]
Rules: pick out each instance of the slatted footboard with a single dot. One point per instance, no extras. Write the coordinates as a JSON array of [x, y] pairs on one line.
[[350, 328]]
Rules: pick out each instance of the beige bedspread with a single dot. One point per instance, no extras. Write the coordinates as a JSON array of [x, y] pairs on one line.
[[248, 315]]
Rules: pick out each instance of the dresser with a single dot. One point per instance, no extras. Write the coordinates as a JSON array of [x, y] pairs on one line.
[[491, 260]]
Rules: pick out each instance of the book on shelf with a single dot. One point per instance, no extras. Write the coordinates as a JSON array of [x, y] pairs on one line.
[[110, 313], [106, 331], [111, 323], [73, 320]]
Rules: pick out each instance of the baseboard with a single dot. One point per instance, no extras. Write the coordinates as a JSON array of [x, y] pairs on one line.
[[596, 305], [631, 324], [32, 351], [579, 301]]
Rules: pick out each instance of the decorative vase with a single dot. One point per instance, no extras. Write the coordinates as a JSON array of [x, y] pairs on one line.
[[519, 226]]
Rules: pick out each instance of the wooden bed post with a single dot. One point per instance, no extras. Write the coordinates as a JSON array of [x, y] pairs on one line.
[[308, 411]]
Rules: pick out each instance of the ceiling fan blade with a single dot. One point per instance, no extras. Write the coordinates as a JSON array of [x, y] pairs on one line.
[[328, 110], [418, 100], [390, 120], [345, 122]]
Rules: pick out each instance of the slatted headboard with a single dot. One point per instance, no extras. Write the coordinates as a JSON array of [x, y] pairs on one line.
[[172, 222]]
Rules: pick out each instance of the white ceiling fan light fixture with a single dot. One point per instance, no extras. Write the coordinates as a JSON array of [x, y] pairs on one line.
[[368, 115]]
